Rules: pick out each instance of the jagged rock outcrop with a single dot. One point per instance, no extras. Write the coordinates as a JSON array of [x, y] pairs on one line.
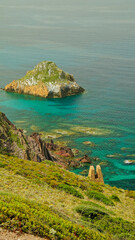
[[65, 152], [98, 177], [85, 159], [46, 80], [13, 141]]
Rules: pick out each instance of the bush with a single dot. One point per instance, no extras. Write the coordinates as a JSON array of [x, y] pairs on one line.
[[130, 194], [115, 198], [2, 165], [124, 236], [94, 186], [91, 213], [116, 227], [71, 190], [96, 206], [99, 196]]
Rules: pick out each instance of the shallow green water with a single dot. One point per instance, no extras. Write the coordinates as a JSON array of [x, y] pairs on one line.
[[94, 40]]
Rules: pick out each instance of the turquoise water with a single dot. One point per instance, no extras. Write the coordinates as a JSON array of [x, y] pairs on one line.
[[95, 41]]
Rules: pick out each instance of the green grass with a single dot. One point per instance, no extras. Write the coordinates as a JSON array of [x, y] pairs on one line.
[[49, 173], [106, 223], [90, 213], [94, 205], [100, 197], [115, 198], [42, 199], [20, 214], [130, 194], [71, 190]]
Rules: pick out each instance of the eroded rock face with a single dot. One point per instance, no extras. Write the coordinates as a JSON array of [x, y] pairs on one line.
[[46, 80], [98, 177], [13, 141]]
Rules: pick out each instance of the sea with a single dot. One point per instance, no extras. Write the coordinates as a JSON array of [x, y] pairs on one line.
[[95, 41]]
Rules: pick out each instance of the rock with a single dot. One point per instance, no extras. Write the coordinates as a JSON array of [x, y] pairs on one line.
[[89, 143], [125, 149], [75, 151], [84, 172], [51, 146], [46, 80], [129, 161], [105, 163], [85, 159], [90, 131], [115, 155], [131, 155], [13, 141], [96, 159], [98, 177], [65, 152]]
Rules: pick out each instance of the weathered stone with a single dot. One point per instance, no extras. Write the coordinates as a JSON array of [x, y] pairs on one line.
[[13, 141], [85, 159], [46, 80], [92, 173], [65, 152], [98, 177]]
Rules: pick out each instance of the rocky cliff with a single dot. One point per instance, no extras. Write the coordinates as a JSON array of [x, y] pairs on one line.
[[46, 80], [13, 141]]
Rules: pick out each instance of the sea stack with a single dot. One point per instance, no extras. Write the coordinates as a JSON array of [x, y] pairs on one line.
[[46, 80], [98, 177]]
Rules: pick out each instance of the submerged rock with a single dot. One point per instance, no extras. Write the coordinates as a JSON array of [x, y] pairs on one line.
[[85, 159], [46, 80], [115, 155], [91, 144], [129, 161]]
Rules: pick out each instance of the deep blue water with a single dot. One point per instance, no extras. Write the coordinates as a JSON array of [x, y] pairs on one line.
[[95, 41]]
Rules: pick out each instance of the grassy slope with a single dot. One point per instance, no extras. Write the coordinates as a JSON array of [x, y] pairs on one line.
[[44, 199]]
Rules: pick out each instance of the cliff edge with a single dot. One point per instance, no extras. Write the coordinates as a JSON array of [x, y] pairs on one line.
[[14, 142], [46, 80]]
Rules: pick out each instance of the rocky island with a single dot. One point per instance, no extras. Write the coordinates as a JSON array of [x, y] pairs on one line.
[[46, 80]]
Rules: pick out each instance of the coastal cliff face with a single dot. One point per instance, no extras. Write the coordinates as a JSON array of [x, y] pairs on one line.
[[46, 80], [13, 141]]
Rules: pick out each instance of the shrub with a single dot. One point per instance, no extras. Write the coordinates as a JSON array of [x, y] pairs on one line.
[[91, 213], [97, 206], [99, 196], [96, 187], [115, 198], [71, 190], [130, 194], [2, 165], [116, 227]]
